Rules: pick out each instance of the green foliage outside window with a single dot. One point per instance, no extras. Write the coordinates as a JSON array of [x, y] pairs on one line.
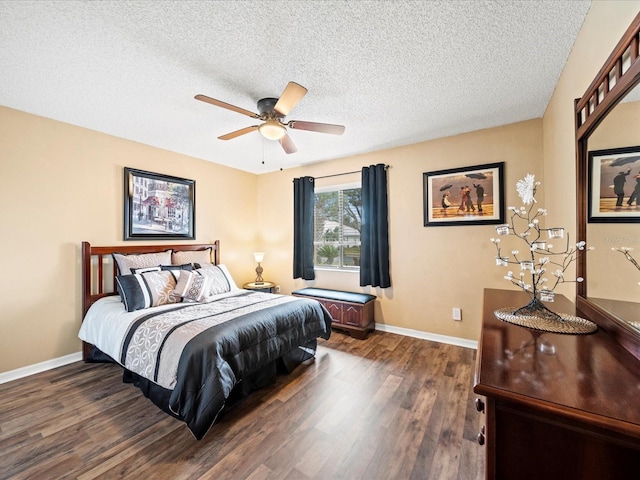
[[337, 228]]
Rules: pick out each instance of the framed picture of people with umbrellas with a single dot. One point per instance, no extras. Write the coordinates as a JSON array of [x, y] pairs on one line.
[[471, 195], [614, 185], [158, 207]]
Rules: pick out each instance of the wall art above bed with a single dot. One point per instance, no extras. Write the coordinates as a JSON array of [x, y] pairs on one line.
[[158, 206]]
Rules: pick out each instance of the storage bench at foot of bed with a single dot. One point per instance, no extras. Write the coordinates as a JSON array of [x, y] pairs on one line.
[[352, 312]]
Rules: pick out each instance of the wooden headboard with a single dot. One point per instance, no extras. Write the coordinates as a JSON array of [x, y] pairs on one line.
[[99, 272]]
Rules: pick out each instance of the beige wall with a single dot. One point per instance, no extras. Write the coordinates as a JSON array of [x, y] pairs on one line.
[[61, 185], [602, 29], [433, 268], [610, 275]]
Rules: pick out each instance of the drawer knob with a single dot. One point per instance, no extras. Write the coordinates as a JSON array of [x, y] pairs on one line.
[[480, 438], [479, 405]]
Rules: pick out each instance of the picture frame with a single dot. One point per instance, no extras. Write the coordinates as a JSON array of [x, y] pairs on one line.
[[158, 207], [614, 185], [482, 204]]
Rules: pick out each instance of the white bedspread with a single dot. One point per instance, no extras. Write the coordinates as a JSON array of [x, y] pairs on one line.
[[107, 322]]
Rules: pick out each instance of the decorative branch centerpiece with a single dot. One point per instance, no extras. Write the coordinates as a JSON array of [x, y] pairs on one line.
[[541, 267]]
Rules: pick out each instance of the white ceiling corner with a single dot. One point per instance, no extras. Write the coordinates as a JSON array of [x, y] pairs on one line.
[[393, 72]]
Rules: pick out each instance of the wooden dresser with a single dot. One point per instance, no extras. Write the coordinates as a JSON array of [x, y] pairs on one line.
[[570, 413]]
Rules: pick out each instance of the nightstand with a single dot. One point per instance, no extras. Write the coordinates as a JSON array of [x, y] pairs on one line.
[[267, 287]]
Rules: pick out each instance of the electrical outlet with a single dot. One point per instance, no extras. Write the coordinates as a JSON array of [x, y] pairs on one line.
[[277, 288], [457, 314]]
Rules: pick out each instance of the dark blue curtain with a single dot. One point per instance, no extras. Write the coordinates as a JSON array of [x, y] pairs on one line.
[[303, 199], [374, 239]]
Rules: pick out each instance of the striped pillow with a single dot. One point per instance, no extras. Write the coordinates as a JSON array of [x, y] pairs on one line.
[[218, 280], [144, 290], [193, 286]]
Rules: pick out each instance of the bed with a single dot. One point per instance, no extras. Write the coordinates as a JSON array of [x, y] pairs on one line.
[[184, 333]]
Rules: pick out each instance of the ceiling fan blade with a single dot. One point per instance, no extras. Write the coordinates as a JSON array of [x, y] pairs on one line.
[[317, 127], [287, 144], [237, 133], [228, 106], [292, 94]]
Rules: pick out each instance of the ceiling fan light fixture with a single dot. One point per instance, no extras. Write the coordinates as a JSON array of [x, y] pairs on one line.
[[272, 130]]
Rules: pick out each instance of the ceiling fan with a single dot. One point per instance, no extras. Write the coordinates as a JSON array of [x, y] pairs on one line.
[[272, 112]]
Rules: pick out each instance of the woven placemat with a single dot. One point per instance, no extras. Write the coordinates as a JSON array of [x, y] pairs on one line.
[[569, 325]]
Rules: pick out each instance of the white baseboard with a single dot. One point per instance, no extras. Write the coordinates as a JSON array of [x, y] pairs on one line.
[[39, 367], [434, 337]]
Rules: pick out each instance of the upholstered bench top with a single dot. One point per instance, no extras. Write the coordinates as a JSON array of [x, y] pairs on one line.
[[335, 295]]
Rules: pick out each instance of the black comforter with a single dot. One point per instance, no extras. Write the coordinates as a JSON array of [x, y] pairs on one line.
[[213, 348]]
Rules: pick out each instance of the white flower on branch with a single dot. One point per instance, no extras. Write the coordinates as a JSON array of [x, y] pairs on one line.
[[558, 273], [526, 189]]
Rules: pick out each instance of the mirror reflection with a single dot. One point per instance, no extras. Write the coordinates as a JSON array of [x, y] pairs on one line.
[[613, 280]]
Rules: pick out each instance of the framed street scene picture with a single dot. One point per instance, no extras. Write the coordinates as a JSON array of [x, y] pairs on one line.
[[158, 207]]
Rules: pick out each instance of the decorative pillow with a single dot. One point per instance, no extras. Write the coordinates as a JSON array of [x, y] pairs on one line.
[[193, 286], [217, 279], [146, 269], [144, 290], [223, 268], [125, 263], [175, 270], [186, 266], [195, 256]]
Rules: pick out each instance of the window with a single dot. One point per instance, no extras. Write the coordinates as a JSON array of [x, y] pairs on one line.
[[337, 224]]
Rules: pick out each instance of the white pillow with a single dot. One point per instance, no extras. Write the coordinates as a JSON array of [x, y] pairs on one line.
[[225, 271], [217, 279]]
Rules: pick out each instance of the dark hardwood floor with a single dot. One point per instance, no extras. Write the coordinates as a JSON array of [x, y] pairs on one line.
[[389, 407]]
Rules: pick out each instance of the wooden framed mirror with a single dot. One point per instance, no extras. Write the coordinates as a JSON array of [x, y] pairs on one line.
[[608, 117]]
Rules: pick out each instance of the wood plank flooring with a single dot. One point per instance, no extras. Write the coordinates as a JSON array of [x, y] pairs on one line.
[[389, 407]]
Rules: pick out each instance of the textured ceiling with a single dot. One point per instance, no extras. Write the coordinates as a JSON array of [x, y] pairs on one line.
[[393, 72]]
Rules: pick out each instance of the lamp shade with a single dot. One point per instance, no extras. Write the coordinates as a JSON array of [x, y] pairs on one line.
[[259, 256], [272, 130]]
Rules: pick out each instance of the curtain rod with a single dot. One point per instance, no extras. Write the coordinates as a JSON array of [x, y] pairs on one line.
[[386, 167]]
